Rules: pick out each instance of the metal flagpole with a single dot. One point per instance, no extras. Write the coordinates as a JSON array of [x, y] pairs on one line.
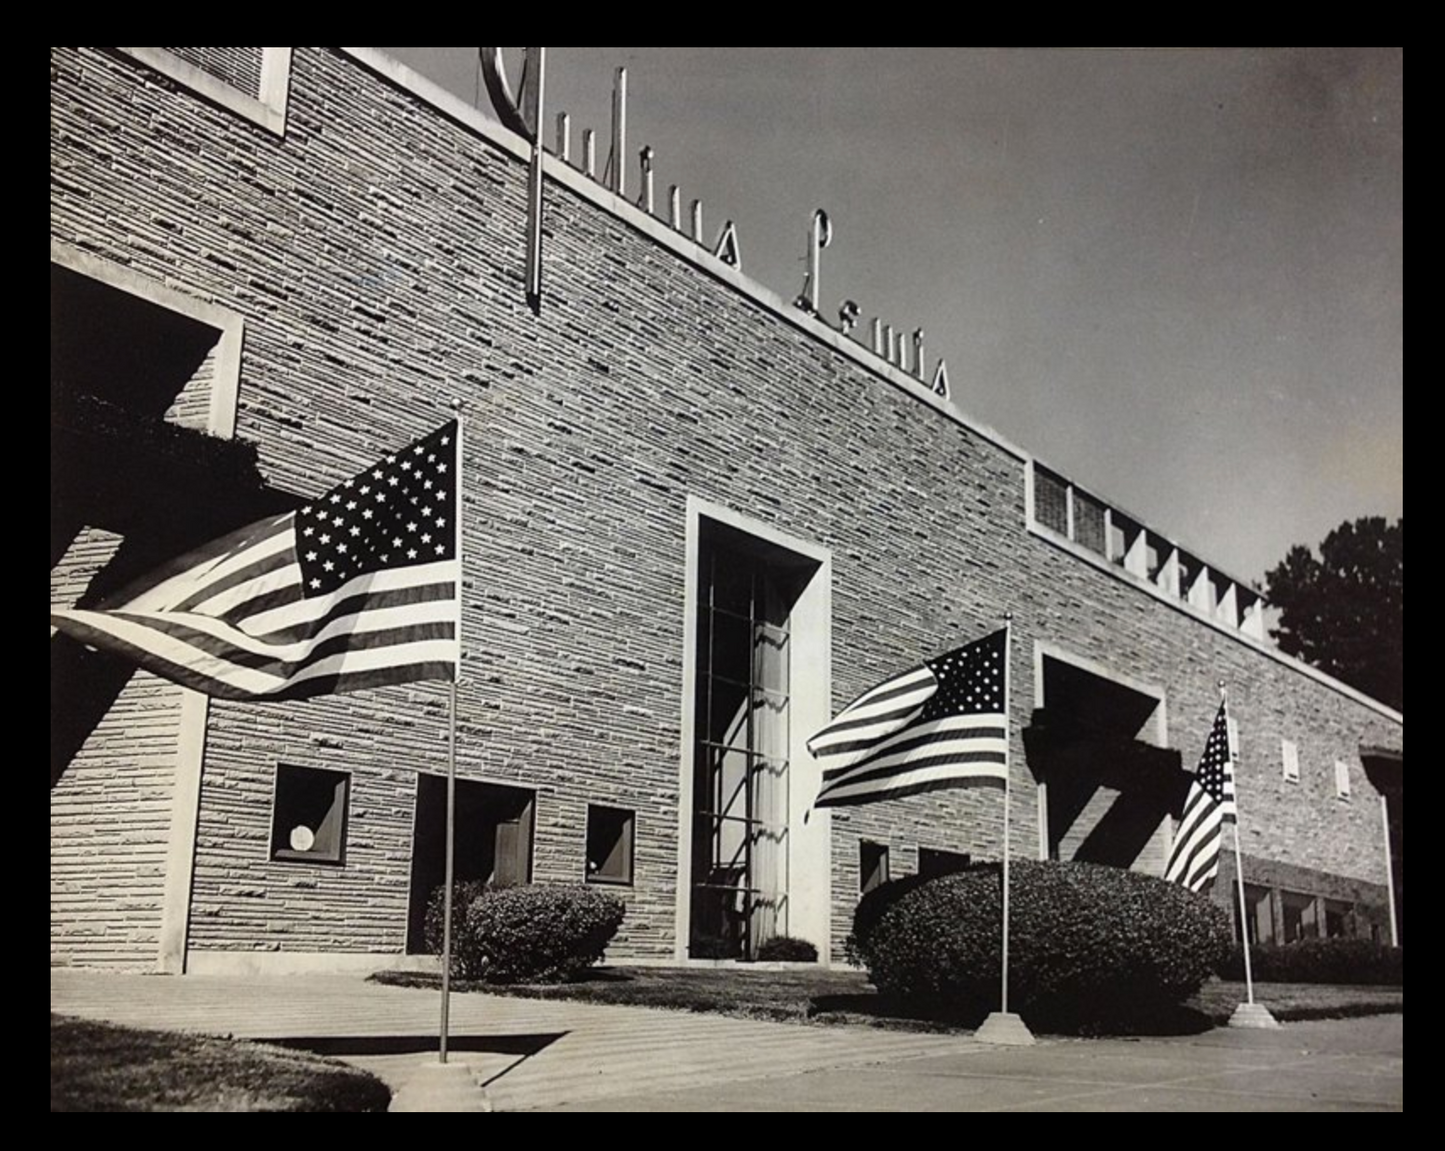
[[1248, 1013], [1007, 789], [452, 756], [1389, 869], [1000, 1026], [1238, 863], [447, 897]]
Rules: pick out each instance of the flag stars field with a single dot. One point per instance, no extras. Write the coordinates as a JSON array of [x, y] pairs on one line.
[[253, 615]]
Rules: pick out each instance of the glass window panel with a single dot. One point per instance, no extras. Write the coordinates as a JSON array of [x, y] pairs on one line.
[[776, 597], [1051, 506], [732, 647], [732, 588], [728, 714], [770, 658], [770, 792], [770, 725], [1089, 522]]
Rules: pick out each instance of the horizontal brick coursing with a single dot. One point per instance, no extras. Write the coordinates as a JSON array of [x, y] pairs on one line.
[[376, 255], [110, 820]]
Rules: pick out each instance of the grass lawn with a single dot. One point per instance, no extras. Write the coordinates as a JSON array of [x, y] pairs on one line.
[[102, 1067], [844, 996]]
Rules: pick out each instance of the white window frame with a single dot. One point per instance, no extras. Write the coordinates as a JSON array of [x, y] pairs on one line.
[[269, 111], [1342, 779]]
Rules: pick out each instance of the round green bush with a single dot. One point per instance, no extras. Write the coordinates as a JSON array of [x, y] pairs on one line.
[[787, 949], [535, 934], [1088, 944], [465, 955]]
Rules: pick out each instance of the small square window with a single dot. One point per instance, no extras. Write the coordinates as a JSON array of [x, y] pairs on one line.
[[872, 865], [932, 863], [1289, 753], [1342, 779], [308, 821], [610, 832]]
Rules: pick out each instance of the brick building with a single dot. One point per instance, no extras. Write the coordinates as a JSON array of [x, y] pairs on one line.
[[698, 520]]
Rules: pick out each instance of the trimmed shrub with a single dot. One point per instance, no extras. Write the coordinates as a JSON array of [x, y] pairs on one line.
[[787, 949], [1350, 961], [464, 949], [536, 934], [1089, 945]]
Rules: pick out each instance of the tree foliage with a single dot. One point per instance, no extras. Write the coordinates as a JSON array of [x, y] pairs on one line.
[[1344, 610]]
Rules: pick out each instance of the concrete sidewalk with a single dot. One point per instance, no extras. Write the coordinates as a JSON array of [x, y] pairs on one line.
[[556, 1055]]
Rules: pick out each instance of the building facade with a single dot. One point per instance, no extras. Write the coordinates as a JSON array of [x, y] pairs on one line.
[[698, 520]]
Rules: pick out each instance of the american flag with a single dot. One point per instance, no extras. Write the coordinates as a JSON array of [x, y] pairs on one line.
[[940, 725], [356, 589], [1194, 858]]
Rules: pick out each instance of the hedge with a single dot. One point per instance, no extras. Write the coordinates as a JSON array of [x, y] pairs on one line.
[[1348, 961], [787, 949], [1088, 944]]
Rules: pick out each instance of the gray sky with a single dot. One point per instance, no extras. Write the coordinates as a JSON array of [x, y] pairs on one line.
[[1174, 275]]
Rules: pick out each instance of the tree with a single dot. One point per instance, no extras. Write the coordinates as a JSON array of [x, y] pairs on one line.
[[1344, 612]]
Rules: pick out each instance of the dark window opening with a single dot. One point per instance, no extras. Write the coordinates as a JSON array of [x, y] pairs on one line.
[[1259, 906], [932, 863], [1339, 919], [494, 830], [872, 865], [1301, 916], [308, 820], [610, 834]]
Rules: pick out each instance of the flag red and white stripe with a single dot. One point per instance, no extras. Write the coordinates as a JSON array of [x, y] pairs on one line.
[[942, 724], [357, 589], [1194, 856]]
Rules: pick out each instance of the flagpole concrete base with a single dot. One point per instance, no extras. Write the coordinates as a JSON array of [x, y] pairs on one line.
[[1005, 1029], [441, 1087], [1252, 1015]]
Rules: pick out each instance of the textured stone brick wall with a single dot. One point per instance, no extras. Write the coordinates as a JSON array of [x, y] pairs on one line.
[[376, 252]]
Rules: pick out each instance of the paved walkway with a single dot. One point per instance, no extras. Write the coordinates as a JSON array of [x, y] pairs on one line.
[[553, 1055], [527, 1052]]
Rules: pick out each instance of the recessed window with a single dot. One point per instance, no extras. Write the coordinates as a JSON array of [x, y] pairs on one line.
[[932, 863], [1051, 500], [1289, 753], [1342, 779], [1301, 916], [872, 865], [610, 832], [252, 82], [1339, 919], [308, 823], [1259, 918]]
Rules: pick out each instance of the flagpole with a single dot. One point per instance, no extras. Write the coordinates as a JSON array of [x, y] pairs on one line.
[[1248, 1013], [1001, 1026], [1238, 859], [447, 897], [1007, 790], [452, 760]]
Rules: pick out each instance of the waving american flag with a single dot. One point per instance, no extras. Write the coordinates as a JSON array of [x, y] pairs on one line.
[[356, 589]]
